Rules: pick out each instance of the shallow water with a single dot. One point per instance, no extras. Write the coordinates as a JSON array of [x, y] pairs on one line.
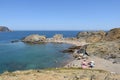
[[21, 56]]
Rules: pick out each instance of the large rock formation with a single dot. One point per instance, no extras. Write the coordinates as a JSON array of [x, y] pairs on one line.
[[113, 34], [4, 29], [93, 36], [35, 38]]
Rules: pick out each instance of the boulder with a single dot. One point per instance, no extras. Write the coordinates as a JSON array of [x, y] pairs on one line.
[[34, 38], [113, 34], [14, 41], [58, 36], [4, 29]]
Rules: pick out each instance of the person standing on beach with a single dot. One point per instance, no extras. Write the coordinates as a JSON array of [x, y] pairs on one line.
[[84, 64]]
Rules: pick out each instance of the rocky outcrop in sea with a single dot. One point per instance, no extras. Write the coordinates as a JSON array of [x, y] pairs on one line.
[[4, 29], [34, 38]]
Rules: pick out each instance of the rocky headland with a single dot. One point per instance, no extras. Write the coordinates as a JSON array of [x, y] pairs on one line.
[[4, 29]]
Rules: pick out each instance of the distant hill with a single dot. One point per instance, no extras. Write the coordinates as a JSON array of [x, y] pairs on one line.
[[4, 29]]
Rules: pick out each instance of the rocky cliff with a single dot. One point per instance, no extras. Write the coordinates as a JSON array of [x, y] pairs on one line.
[[4, 29]]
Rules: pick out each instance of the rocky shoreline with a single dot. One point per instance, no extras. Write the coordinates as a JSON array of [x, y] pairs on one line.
[[100, 44]]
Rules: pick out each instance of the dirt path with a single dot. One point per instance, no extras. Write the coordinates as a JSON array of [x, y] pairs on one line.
[[99, 64]]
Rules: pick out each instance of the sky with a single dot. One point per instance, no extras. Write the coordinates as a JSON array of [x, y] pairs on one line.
[[60, 14]]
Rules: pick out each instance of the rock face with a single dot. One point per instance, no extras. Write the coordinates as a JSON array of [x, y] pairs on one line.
[[4, 29], [35, 38], [92, 36], [113, 34]]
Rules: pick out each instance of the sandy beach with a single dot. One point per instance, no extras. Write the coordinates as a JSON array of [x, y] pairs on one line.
[[99, 64]]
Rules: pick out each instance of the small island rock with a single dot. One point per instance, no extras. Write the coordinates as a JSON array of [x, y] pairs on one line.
[[34, 38], [4, 29]]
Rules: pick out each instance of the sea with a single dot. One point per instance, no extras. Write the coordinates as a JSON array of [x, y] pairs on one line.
[[23, 56]]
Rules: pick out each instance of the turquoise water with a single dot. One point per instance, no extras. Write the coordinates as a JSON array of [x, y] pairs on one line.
[[22, 56]]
